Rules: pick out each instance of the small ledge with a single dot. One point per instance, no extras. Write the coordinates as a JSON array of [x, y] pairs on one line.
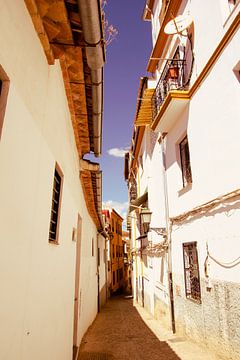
[[187, 188]]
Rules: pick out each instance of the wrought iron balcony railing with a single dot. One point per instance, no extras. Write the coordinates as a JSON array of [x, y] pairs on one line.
[[172, 78]]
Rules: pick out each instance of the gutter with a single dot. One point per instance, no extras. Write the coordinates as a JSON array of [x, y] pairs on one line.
[[91, 19]]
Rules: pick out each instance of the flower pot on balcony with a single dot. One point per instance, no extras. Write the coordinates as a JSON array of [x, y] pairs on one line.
[[173, 72]]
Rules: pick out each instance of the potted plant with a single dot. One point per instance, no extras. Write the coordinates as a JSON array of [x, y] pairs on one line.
[[173, 72]]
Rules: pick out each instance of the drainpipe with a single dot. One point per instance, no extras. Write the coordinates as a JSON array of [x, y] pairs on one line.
[[162, 141], [98, 274], [90, 14]]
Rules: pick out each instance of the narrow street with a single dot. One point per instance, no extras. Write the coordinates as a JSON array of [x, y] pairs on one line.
[[122, 331]]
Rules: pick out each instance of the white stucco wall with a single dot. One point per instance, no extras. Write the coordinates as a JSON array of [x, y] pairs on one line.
[[211, 122], [38, 278]]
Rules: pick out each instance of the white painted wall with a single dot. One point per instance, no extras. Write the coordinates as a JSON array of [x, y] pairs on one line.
[[38, 278], [211, 121]]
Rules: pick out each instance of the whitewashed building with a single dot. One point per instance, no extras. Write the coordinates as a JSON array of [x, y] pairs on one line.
[[51, 79], [182, 166]]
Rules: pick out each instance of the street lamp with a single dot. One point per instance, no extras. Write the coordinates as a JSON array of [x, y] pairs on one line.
[[145, 216]]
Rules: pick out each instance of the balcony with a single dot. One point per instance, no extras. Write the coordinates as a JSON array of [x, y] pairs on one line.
[[172, 78], [171, 88]]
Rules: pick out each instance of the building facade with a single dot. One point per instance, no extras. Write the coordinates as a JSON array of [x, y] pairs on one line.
[[116, 250], [51, 225], [182, 167], [127, 286]]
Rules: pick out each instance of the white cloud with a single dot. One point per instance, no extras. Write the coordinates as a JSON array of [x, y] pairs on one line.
[[117, 152], [121, 208]]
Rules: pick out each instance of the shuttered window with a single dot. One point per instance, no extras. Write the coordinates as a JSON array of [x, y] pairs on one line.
[[56, 203]]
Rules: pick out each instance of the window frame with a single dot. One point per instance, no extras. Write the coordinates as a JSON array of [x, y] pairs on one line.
[[185, 162], [4, 88], [60, 174], [194, 267]]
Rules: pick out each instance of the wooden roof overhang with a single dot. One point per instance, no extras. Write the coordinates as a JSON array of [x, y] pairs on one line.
[[59, 29], [91, 179], [171, 11]]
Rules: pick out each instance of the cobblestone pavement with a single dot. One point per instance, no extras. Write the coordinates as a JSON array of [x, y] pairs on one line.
[[120, 332]]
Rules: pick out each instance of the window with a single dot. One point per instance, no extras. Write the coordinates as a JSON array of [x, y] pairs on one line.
[[98, 258], [113, 277], [56, 204], [113, 252], [4, 86], [185, 162], [121, 274], [191, 271]]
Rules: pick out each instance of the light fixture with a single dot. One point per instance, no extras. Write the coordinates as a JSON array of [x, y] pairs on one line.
[[146, 215]]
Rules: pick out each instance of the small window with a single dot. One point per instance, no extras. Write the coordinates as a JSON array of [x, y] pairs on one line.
[[98, 256], [4, 86], [185, 162], [113, 277], [56, 204], [191, 271]]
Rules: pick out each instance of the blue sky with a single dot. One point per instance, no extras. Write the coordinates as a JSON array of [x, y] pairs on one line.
[[127, 58]]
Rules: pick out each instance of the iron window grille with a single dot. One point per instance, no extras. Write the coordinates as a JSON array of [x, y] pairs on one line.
[[191, 271], [185, 162], [56, 202]]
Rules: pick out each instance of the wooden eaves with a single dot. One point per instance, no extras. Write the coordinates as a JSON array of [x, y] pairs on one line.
[[59, 29]]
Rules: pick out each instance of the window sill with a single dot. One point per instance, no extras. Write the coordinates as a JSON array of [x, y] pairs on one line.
[[53, 242], [198, 302], [186, 188]]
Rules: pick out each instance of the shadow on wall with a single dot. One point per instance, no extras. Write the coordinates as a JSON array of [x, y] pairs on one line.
[[120, 333], [176, 135]]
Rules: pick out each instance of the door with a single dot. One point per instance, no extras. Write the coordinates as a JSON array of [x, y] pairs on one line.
[[77, 285]]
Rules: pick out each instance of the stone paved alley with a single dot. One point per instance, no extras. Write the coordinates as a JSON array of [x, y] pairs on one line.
[[123, 331]]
